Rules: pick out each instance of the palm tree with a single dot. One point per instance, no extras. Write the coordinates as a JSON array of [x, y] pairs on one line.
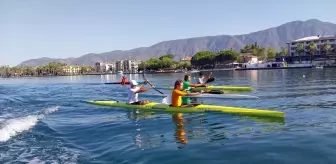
[[326, 49], [299, 49], [312, 49], [246, 49], [283, 51]]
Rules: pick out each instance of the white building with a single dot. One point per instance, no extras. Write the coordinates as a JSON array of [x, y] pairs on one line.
[[111, 67], [71, 69], [131, 66], [105, 67], [119, 65], [252, 62], [127, 66], [318, 40]]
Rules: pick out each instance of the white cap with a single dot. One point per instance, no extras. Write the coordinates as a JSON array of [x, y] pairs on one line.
[[133, 82]]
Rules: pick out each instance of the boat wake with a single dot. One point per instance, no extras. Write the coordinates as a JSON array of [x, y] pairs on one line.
[[14, 126]]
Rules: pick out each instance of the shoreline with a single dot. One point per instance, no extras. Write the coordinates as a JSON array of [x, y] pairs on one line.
[[205, 70]]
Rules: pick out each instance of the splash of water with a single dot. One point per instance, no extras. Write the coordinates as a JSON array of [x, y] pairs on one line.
[[14, 126], [166, 100]]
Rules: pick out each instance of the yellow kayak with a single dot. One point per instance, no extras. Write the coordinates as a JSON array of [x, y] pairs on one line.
[[153, 106]]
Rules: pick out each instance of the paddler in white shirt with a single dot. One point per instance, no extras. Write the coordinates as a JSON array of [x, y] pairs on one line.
[[201, 79], [133, 92]]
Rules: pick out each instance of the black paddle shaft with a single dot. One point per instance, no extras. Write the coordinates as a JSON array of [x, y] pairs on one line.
[[211, 79], [150, 83]]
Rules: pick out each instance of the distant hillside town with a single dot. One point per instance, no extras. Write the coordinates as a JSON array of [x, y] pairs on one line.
[[124, 66], [318, 51], [275, 37], [304, 52]]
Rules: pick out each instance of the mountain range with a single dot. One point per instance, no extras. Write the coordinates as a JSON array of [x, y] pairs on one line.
[[275, 37]]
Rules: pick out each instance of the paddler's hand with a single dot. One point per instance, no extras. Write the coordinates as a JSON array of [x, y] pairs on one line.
[[145, 82], [202, 91]]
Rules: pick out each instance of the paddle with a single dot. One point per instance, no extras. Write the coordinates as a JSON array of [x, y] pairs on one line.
[[211, 79], [143, 74]]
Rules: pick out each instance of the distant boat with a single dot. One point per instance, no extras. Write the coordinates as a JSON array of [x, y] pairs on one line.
[[319, 66], [120, 72]]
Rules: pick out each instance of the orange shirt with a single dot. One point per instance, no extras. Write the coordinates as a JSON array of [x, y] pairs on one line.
[[177, 97]]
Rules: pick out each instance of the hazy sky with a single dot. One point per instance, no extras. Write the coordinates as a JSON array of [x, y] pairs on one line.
[[71, 28]]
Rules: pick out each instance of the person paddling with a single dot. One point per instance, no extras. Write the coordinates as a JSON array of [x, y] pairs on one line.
[[202, 77], [177, 93], [188, 87], [133, 92], [123, 80]]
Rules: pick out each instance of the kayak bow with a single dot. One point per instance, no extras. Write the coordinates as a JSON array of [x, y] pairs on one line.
[[197, 109]]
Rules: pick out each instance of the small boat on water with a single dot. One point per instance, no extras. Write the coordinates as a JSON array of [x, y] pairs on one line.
[[120, 72], [319, 66]]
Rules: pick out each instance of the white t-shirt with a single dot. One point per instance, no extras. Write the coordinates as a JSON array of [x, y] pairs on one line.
[[200, 81], [132, 96]]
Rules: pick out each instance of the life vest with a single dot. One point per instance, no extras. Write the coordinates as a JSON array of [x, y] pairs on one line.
[[123, 81]]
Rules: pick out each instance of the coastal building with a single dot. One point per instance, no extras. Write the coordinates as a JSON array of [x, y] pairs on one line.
[[249, 58], [131, 66], [119, 65], [105, 67], [127, 64], [249, 61], [97, 67], [111, 67], [303, 56], [71, 69]]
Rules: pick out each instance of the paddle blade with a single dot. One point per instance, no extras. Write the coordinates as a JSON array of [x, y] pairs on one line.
[[211, 79], [166, 100]]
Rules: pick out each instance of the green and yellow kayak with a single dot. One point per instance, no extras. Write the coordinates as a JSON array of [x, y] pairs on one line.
[[153, 106], [222, 88]]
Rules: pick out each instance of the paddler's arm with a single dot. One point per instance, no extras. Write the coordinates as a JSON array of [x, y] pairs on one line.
[[144, 83], [184, 93], [193, 93], [142, 89]]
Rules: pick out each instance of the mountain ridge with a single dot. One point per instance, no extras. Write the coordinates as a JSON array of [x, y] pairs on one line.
[[275, 37]]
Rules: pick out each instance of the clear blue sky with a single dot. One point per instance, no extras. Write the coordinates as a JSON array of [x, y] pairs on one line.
[[71, 28]]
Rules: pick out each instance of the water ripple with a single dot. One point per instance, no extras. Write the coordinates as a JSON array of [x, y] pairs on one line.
[[44, 120]]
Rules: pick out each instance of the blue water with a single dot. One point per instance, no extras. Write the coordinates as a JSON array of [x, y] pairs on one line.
[[44, 120]]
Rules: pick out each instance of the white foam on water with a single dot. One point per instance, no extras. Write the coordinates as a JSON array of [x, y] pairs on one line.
[[14, 126], [51, 110], [36, 161], [166, 100]]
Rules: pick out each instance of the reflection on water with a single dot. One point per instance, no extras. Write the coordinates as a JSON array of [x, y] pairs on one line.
[[262, 119], [195, 127], [105, 136], [180, 133], [136, 115]]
